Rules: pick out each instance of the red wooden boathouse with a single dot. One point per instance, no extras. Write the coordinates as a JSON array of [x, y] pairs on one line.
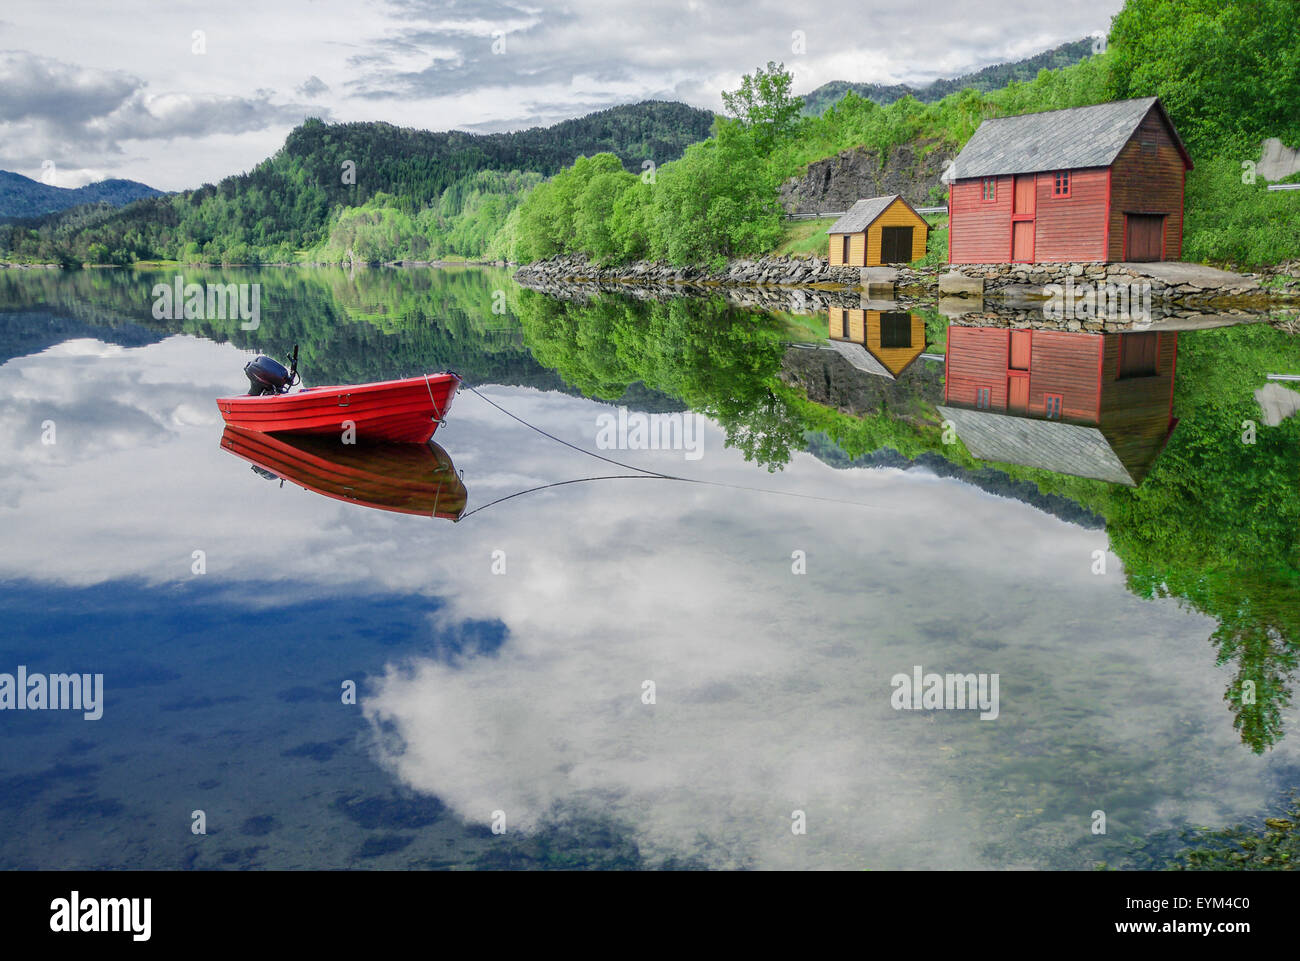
[[1101, 184], [1090, 405]]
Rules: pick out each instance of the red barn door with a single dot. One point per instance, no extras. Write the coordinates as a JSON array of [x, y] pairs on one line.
[[1022, 219], [1021, 341], [1018, 357], [1018, 394]]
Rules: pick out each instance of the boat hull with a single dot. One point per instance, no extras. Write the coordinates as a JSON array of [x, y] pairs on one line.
[[402, 478], [396, 411]]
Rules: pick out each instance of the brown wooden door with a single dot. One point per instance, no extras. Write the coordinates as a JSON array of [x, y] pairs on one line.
[[1020, 341], [1137, 354], [1018, 393], [1022, 241], [895, 245], [1145, 234]]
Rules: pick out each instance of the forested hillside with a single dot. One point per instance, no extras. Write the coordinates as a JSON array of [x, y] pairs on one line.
[[23, 197], [288, 202]]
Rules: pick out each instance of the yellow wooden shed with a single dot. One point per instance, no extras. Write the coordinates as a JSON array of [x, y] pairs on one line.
[[878, 231]]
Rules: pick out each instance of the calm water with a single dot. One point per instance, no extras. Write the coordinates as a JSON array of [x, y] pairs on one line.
[[501, 662]]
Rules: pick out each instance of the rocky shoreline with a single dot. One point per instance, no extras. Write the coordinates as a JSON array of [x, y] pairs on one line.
[[795, 300], [1278, 286], [770, 281], [8, 265], [979, 313], [763, 271]]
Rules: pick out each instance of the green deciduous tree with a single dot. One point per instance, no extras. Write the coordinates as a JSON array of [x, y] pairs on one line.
[[1228, 72], [763, 103]]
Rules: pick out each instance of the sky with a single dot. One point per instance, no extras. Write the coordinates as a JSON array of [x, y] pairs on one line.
[[180, 93]]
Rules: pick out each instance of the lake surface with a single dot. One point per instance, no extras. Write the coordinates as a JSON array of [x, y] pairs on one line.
[[501, 662]]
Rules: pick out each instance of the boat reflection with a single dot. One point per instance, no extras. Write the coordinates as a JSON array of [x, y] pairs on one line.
[[403, 478], [1089, 405]]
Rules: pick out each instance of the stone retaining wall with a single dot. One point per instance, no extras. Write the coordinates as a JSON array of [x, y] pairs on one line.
[[1029, 281]]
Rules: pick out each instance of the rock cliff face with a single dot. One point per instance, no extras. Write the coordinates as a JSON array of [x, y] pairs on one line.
[[830, 380], [836, 183]]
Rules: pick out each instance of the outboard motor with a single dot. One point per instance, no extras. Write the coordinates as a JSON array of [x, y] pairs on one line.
[[267, 376]]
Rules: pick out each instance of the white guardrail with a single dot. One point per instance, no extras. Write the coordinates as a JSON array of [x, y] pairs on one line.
[[840, 213]]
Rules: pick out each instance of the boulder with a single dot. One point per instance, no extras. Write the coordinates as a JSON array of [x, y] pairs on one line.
[[955, 284]]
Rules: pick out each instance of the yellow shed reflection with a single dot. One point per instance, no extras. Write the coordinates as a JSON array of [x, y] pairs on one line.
[[893, 338]]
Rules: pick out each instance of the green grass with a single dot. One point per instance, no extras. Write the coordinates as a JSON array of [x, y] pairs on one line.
[[1240, 225], [936, 248], [804, 328], [805, 238]]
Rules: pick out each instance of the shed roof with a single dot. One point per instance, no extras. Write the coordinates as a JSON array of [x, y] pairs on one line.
[[861, 358], [1056, 140], [863, 213]]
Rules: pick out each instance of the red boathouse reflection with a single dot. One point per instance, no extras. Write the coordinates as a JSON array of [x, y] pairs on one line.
[[1089, 405]]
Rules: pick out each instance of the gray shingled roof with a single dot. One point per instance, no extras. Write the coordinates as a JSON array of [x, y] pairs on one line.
[[861, 214], [1047, 444], [1056, 140]]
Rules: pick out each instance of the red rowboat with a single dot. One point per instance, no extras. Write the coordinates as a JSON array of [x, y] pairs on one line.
[[403, 478], [400, 411]]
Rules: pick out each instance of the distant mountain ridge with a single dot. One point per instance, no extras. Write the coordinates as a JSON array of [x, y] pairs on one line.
[[286, 202], [23, 197], [990, 78]]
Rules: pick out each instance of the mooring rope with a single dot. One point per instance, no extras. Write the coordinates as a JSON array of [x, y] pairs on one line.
[[642, 473], [560, 440], [576, 480]]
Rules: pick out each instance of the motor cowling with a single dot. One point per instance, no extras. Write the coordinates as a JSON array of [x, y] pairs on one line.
[[266, 376]]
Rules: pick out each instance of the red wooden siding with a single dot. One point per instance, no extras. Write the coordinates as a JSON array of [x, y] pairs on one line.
[[981, 231], [1072, 229], [1146, 183], [1065, 229], [1065, 363], [1060, 363], [976, 357]]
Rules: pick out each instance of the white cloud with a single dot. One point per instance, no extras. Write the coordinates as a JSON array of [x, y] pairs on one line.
[[58, 112], [141, 104]]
